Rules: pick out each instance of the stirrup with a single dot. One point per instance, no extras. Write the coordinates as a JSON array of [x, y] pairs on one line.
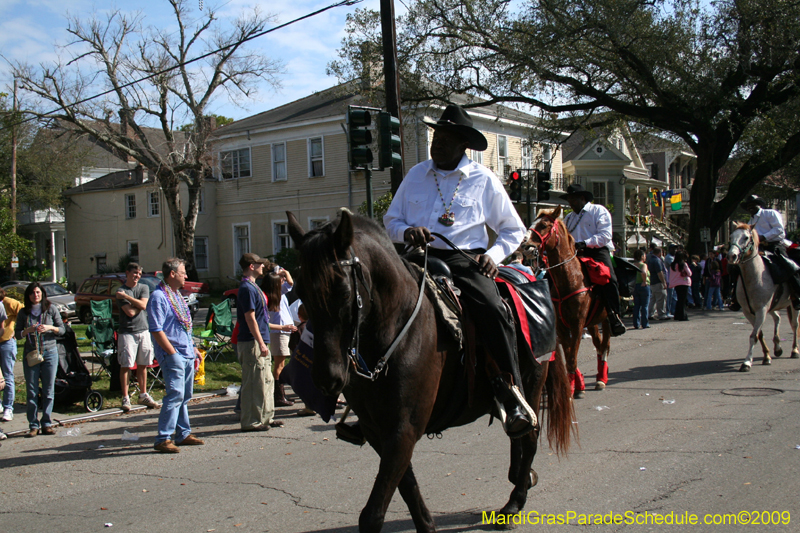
[[523, 404]]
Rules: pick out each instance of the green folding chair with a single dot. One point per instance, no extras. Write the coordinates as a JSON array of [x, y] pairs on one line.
[[216, 338], [103, 334]]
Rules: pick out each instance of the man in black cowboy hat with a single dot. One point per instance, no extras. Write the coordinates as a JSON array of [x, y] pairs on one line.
[[590, 226], [768, 223], [458, 198]]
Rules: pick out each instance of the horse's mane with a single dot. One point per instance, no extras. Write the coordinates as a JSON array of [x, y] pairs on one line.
[[742, 225], [548, 212]]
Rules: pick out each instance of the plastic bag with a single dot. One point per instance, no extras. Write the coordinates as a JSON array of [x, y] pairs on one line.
[[200, 370], [232, 390], [127, 435], [69, 432]]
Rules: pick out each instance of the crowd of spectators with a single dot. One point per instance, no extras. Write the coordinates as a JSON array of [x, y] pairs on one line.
[[678, 281]]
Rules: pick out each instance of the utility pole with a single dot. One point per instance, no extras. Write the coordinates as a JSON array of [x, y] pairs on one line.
[[392, 80], [14, 174]]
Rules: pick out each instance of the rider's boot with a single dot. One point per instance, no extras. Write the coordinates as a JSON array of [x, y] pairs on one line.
[[617, 327], [519, 417]]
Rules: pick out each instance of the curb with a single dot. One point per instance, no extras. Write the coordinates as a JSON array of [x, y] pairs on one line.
[[113, 412]]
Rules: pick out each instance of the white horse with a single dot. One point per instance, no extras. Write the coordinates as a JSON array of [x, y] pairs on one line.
[[758, 295]]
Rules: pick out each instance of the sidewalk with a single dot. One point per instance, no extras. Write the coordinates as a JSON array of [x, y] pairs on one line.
[[19, 425]]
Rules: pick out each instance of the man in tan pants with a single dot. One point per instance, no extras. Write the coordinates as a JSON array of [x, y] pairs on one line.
[[258, 406]]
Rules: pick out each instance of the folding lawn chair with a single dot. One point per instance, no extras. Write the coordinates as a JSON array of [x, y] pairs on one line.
[[216, 338], [102, 332]]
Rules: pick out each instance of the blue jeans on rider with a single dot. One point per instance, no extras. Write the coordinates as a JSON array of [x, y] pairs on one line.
[[641, 302], [8, 356], [178, 372], [45, 371]]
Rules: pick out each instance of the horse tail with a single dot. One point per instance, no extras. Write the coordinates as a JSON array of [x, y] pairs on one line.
[[561, 415]]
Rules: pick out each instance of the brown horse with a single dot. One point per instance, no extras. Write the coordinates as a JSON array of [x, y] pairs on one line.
[[360, 295], [577, 305]]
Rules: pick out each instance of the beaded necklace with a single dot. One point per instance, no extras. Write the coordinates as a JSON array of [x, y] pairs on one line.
[[447, 218], [178, 306], [578, 222]]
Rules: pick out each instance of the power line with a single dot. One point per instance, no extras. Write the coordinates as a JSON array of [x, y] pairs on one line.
[[198, 58]]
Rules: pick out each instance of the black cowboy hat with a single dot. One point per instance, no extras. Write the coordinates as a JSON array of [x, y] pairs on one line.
[[456, 119], [577, 189], [753, 199]]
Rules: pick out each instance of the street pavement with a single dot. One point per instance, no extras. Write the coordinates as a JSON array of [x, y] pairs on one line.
[[678, 430]]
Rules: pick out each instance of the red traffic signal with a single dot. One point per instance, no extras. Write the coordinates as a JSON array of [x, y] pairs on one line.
[[515, 175]]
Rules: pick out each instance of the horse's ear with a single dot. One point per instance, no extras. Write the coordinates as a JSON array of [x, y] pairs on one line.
[[343, 236], [296, 231], [557, 212]]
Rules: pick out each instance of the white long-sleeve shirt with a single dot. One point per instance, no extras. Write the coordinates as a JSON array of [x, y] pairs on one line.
[[592, 226], [769, 225], [479, 202]]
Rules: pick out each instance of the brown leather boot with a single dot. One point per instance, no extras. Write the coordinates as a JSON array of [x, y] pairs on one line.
[[280, 397]]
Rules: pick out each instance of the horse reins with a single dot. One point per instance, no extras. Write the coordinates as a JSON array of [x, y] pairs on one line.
[[543, 239], [749, 248], [359, 365]]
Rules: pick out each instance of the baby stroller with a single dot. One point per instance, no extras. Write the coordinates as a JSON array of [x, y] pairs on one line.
[[73, 379]]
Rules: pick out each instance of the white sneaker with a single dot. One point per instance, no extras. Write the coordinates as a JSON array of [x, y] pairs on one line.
[[145, 399], [126, 404], [8, 415]]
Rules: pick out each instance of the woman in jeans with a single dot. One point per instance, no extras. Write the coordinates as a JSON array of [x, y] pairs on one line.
[[39, 323], [680, 277], [641, 293]]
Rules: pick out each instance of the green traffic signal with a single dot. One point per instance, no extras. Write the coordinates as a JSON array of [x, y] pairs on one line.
[[389, 142], [543, 185], [359, 137], [358, 118]]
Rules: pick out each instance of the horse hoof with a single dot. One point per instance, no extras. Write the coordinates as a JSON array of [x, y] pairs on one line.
[[744, 368], [766, 362], [599, 386], [579, 395], [779, 352], [795, 355], [534, 478]]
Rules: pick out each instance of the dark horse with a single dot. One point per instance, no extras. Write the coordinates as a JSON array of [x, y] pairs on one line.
[[357, 290]]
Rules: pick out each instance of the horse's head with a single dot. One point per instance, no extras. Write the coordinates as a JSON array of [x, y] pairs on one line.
[[545, 233], [328, 293], [744, 244]]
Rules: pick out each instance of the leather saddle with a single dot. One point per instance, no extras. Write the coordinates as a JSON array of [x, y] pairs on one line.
[[780, 268]]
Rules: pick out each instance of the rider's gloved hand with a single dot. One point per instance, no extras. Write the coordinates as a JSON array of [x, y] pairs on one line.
[[580, 246], [418, 236], [488, 268]]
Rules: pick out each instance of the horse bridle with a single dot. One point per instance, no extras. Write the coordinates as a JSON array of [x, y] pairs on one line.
[[750, 247], [359, 365], [543, 239]]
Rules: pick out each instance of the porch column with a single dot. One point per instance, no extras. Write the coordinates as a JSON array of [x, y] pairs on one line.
[[53, 265]]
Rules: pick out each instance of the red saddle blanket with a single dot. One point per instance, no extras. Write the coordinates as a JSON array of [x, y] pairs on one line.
[[598, 273]]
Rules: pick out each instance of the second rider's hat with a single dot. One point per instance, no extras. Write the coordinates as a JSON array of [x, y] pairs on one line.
[[753, 199], [456, 119], [576, 189]]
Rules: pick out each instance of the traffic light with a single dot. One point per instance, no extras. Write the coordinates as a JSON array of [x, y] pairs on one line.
[[515, 186], [388, 141], [543, 185], [359, 137]]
